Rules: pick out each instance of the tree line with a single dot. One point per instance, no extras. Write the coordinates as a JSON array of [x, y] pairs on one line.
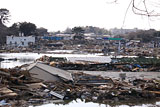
[[28, 28], [143, 35], [25, 28], [89, 29]]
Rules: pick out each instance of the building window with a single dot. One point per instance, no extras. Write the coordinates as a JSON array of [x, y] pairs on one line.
[[24, 39], [15, 43], [22, 43], [10, 43]]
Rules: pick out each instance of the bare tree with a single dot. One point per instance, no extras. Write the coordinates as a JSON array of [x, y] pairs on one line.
[[144, 7], [4, 16], [148, 8]]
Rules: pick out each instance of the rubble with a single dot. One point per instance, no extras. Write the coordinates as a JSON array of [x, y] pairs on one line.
[[19, 87], [126, 64]]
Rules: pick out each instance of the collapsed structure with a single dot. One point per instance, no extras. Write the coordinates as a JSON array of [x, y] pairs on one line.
[[38, 82], [48, 73]]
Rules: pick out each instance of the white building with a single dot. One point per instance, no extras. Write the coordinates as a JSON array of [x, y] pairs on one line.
[[66, 36], [20, 41]]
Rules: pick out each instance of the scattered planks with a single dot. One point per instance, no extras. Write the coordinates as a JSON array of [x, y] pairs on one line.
[[7, 93]]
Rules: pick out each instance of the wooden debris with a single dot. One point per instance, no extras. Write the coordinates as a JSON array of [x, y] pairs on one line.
[[6, 93], [56, 95], [36, 85]]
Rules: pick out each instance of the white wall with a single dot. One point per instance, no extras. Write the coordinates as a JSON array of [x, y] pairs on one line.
[[19, 41]]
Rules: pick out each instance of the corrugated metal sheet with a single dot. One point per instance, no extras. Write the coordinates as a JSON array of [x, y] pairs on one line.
[[57, 95]]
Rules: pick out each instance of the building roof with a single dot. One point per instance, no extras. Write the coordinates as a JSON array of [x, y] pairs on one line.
[[95, 59], [52, 70]]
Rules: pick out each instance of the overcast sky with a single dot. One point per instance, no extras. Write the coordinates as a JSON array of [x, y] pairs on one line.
[[60, 14]]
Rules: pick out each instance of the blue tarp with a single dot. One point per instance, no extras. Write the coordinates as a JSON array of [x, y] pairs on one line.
[[106, 38], [52, 38], [136, 65]]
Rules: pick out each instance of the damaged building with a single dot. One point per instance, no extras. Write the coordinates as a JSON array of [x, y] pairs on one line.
[[48, 73]]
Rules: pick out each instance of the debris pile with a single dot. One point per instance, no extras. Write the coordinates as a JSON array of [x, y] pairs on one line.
[[136, 64], [19, 88], [51, 59], [63, 63], [107, 90], [87, 66]]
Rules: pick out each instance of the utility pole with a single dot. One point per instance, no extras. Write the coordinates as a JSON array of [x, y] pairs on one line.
[[119, 47]]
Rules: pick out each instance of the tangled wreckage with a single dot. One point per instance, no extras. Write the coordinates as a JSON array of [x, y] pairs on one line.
[[41, 82]]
